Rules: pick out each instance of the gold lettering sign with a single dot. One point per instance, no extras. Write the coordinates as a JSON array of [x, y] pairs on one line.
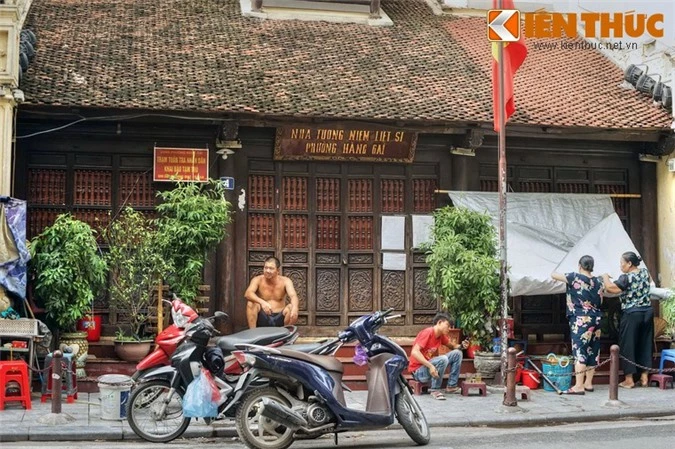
[[344, 143]]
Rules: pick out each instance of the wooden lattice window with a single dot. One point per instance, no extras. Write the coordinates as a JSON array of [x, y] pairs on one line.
[[261, 230], [423, 195], [93, 188], [261, 192], [47, 187], [137, 189], [360, 195], [328, 232], [393, 195], [360, 233], [328, 195]]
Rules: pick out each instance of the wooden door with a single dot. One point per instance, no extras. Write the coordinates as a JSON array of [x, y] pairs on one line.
[[323, 221]]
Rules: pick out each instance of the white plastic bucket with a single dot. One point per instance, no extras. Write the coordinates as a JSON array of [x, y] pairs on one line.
[[114, 394]]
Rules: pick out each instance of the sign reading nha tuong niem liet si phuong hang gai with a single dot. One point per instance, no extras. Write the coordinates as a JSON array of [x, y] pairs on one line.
[[344, 143], [181, 164]]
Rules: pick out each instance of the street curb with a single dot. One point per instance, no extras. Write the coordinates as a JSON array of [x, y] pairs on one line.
[[518, 419]]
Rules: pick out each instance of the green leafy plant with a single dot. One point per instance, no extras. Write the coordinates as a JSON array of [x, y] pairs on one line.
[[136, 268], [192, 221], [67, 270], [668, 311], [464, 270]]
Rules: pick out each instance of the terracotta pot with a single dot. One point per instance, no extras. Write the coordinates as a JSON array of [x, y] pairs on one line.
[[132, 351]]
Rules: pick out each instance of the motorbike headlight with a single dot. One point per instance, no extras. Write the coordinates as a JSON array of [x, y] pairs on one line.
[[179, 319]]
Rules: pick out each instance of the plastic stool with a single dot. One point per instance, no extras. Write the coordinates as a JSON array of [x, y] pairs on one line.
[[418, 387], [662, 380], [68, 374], [14, 371], [523, 392], [666, 354], [466, 386]]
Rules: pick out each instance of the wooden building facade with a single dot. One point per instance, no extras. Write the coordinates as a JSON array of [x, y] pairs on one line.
[[322, 217]]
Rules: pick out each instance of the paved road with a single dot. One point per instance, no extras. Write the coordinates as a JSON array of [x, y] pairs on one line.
[[658, 433]]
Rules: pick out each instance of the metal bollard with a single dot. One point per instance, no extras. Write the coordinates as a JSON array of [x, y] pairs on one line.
[[510, 393], [57, 381], [614, 373]]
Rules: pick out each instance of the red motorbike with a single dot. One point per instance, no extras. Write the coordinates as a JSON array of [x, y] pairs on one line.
[[182, 315], [168, 340]]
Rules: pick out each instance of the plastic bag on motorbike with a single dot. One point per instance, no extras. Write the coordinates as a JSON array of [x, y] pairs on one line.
[[360, 355], [199, 401]]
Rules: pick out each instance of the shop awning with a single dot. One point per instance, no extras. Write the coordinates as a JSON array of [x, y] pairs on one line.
[[549, 232]]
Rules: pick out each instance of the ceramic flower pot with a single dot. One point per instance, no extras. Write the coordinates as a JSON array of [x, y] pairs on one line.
[[132, 351]]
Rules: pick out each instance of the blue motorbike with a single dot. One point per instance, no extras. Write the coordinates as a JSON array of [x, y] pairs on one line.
[[304, 396]]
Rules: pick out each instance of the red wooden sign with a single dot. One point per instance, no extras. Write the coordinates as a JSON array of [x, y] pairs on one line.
[[181, 164]]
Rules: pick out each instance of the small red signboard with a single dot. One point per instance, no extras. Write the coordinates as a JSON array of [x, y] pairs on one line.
[[181, 164]]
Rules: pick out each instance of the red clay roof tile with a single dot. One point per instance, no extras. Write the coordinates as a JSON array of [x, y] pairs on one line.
[[203, 56]]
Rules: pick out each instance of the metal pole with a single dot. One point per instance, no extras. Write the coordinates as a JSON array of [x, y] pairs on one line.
[[510, 394], [57, 381], [614, 373], [502, 180], [160, 307]]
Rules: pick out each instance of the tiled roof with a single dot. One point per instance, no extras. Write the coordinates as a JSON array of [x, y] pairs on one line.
[[203, 56]]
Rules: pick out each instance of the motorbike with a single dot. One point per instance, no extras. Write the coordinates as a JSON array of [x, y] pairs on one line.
[[168, 340], [173, 335], [155, 406], [304, 395]]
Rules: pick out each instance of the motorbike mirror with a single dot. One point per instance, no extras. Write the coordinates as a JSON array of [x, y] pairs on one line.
[[221, 315]]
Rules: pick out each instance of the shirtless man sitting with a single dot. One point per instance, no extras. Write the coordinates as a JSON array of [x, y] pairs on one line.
[[266, 296]]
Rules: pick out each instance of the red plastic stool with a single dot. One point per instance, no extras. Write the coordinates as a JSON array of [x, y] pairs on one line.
[[14, 371], [466, 386], [662, 379], [418, 387], [68, 374]]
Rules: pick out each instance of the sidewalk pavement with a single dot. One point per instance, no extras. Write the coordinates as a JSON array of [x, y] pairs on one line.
[[543, 408]]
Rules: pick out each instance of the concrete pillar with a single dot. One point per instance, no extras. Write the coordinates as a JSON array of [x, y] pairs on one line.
[[12, 16], [6, 140]]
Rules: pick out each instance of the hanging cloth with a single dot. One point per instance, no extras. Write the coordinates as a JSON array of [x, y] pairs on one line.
[[8, 251], [13, 268]]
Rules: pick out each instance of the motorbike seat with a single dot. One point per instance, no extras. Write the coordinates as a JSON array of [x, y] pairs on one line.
[[262, 336], [327, 362], [304, 347]]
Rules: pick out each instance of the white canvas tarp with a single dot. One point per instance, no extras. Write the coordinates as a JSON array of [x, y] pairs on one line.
[[549, 232]]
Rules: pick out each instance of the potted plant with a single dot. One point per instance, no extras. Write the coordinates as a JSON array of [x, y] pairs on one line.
[[464, 271], [668, 314], [67, 271], [192, 222], [136, 268]]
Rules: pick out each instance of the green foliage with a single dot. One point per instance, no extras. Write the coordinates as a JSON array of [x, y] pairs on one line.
[[464, 270], [136, 267], [192, 222], [668, 311], [67, 270]]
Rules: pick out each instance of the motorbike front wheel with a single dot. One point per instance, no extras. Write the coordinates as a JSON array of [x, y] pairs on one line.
[[153, 416], [257, 431], [409, 414]]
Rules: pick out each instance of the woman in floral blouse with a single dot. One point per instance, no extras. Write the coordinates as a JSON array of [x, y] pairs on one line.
[[584, 297], [636, 330]]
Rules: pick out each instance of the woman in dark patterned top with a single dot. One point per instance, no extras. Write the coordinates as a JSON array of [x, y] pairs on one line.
[[584, 297], [636, 331]]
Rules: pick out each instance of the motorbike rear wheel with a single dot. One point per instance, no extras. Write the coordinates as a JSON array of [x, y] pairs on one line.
[[411, 417], [148, 417], [257, 431]]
